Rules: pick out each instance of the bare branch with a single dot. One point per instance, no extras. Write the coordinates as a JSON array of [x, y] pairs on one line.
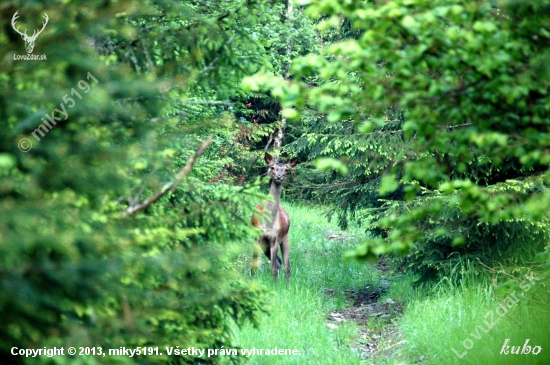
[[172, 186], [150, 65], [181, 175], [210, 67]]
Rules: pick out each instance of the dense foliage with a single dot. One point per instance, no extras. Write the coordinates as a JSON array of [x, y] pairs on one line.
[[439, 113], [129, 157], [111, 234]]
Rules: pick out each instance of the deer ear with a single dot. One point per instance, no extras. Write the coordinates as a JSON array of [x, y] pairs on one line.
[[268, 158], [293, 162]]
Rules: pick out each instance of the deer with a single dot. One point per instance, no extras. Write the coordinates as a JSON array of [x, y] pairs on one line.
[[275, 230], [29, 41]]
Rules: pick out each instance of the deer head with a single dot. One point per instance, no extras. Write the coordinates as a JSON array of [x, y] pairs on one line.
[[29, 41], [277, 170]]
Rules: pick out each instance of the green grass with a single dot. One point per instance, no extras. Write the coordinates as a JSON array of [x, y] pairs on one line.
[[299, 311], [436, 319], [453, 315]]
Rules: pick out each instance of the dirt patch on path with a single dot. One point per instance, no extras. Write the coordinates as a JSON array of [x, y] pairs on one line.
[[376, 320]]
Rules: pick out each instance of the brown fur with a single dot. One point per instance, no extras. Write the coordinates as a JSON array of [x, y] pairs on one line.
[[275, 229]]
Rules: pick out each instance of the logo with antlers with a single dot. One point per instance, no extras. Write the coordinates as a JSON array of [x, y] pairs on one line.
[[29, 41]]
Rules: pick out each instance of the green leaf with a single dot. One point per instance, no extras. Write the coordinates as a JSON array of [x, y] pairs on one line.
[[327, 164], [7, 161], [388, 184], [366, 127], [459, 241], [291, 114]]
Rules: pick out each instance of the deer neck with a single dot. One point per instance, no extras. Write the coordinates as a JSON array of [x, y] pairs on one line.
[[275, 192]]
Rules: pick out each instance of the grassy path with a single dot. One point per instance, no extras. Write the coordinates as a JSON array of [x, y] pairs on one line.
[[438, 318], [298, 316]]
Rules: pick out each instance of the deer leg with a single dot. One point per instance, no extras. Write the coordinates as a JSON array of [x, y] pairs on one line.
[[274, 259], [285, 251], [267, 252], [277, 259]]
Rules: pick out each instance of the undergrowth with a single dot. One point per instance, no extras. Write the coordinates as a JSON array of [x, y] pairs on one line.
[[466, 318]]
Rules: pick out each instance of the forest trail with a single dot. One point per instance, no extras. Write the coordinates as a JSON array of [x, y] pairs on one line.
[[353, 313], [331, 312]]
